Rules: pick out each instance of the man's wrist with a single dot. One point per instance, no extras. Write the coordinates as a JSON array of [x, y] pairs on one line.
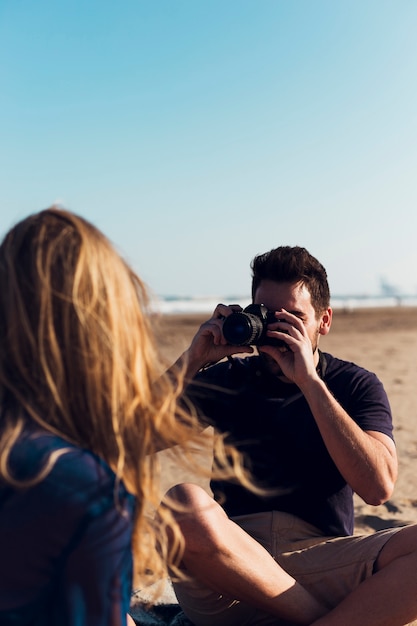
[[313, 385]]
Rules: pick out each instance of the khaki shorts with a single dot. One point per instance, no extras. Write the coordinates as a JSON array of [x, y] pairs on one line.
[[329, 568]]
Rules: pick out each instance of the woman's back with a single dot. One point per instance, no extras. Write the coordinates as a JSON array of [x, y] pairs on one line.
[[63, 543]]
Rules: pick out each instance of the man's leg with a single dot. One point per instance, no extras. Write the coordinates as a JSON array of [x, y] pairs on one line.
[[225, 558], [389, 597]]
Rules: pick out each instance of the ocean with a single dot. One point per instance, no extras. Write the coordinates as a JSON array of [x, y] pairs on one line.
[[171, 305]]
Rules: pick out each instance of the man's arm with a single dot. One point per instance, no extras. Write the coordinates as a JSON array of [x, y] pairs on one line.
[[208, 345], [366, 459]]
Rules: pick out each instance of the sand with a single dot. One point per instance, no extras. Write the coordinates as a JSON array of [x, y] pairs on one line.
[[381, 340]]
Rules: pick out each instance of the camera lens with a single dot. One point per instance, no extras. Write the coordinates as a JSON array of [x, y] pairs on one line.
[[242, 329]]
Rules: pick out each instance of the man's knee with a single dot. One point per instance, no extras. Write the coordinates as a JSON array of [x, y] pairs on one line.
[[401, 543], [188, 496], [198, 515]]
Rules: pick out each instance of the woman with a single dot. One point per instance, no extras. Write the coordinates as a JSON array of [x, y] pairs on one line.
[[83, 408]]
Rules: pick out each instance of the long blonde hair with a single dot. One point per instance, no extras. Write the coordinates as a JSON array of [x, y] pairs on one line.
[[77, 355]]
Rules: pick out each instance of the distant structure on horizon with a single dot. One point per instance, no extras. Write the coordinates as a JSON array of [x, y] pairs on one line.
[[388, 290]]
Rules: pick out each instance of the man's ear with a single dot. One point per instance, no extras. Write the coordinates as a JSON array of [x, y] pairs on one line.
[[326, 321]]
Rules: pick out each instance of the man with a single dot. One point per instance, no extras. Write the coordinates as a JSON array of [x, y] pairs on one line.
[[314, 429]]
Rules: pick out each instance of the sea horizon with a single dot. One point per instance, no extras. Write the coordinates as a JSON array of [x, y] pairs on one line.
[[171, 304]]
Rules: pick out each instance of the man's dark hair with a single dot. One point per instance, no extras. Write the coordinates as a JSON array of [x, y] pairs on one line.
[[293, 265]]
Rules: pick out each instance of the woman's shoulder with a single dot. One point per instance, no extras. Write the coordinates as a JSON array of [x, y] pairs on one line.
[[73, 475]]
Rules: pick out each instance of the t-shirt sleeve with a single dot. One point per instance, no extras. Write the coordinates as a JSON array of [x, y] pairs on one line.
[[362, 395], [374, 412]]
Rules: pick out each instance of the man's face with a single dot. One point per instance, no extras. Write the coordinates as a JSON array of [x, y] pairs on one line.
[[294, 298]]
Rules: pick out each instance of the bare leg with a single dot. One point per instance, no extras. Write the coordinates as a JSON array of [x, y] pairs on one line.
[[389, 597], [226, 559]]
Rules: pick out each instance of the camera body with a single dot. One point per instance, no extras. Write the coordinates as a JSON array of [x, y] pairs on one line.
[[249, 327]]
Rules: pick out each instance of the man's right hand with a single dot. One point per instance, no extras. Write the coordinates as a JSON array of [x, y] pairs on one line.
[[208, 345]]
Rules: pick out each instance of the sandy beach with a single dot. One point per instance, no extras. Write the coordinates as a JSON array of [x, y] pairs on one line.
[[381, 340]]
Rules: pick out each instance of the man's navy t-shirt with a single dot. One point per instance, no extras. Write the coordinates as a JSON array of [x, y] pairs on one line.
[[271, 423]]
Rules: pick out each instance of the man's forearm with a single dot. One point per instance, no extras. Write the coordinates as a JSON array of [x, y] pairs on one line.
[[367, 461]]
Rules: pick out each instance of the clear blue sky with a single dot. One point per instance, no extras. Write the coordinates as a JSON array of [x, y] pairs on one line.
[[197, 134]]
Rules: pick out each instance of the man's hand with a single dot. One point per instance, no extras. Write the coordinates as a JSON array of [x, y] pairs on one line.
[[209, 345], [298, 360]]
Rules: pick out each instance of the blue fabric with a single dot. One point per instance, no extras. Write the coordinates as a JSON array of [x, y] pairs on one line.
[[271, 422], [65, 546]]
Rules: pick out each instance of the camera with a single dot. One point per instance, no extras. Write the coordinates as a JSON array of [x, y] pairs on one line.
[[249, 327]]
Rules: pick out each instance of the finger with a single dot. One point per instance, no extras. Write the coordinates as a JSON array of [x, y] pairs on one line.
[[276, 352], [239, 350], [281, 341], [213, 327], [288, 317], [224, 310], [287, 322]]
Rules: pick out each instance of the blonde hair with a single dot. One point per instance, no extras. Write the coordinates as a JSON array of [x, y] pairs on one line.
[[78, 356]]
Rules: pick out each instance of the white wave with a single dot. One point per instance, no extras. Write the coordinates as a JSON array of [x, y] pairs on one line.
[[207, 304]]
